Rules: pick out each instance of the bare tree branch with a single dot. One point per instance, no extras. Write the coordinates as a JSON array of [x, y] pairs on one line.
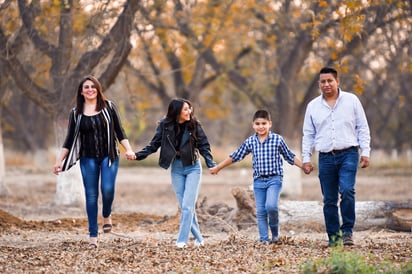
[[39, 95], [27, 16]]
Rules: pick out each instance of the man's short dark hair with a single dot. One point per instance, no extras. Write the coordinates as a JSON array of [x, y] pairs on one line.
[[261, 113], [333, 71]]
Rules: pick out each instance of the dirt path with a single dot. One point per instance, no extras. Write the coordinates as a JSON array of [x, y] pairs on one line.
[[39, 237]]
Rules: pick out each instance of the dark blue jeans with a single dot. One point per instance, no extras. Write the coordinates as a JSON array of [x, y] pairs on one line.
[[91, 169], [337, 175]]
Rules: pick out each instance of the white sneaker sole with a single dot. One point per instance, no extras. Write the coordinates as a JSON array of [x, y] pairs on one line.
[[180, 245]]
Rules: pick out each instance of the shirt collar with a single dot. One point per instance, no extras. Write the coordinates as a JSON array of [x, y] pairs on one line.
[[337, 99], [270, 135]]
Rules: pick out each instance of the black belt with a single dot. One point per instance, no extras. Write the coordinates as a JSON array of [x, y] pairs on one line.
[[267, 176], [337, 151]]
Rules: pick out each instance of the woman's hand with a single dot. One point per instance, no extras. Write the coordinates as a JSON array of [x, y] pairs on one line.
[[214, 170], [57, 168], [130, 155]]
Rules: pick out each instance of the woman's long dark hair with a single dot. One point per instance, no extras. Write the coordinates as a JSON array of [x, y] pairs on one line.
[[101, 99], [173, 114]]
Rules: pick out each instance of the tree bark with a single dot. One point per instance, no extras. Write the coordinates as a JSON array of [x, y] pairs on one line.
[[3, 188], [309, 214], [369, 214]]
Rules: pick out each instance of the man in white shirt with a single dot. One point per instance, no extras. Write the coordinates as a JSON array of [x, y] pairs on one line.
[[335, 125]]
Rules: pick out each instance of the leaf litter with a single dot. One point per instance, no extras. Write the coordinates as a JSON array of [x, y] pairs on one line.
[[144, 243]]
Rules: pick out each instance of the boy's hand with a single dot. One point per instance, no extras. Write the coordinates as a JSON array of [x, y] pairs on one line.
[[307, 168], [214, 170]]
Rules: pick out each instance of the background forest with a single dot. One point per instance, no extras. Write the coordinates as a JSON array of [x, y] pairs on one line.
[[228, 57]]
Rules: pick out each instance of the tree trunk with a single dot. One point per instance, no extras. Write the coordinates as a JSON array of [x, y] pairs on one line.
[[369, 214], [69, 188], [3, 188], [69, 184], [292, 177], [309, 214]]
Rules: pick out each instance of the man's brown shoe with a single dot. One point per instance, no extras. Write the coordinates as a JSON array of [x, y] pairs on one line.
[[347, 239]]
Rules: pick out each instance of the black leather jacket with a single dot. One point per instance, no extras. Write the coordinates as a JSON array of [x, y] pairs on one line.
[[190, 148]]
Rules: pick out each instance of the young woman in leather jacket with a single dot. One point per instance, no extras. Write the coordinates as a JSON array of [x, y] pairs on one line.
[[181, 139]]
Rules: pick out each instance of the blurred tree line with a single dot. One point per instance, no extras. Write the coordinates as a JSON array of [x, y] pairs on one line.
[[228, 57]]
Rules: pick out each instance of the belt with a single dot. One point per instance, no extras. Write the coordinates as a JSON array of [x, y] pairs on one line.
[[267, 176], [337, 151]]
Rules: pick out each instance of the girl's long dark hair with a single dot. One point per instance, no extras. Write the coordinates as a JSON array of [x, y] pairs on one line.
[[101, 99], [173, 114]]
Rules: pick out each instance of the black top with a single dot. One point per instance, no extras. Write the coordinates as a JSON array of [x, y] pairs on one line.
[[93, 136], [113, 132], [179, 129]]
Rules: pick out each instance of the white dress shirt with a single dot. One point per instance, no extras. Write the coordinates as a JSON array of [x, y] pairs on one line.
[[343, 126]]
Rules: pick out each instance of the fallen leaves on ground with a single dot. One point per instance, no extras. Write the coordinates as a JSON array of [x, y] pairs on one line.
[[144, 243]]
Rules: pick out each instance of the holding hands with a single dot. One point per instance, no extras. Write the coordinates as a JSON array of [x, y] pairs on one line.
[[214, 170], [130, 155], [307, 167]]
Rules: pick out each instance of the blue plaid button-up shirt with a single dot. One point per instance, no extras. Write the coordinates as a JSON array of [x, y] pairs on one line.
[[266, 156]]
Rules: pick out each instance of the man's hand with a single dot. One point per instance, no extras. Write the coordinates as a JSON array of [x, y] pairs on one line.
[[307, 167], [364, 161]]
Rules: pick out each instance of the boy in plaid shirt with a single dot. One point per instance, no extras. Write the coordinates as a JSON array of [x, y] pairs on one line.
[[267, 148]]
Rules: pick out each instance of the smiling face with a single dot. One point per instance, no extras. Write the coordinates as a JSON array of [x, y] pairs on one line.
[[185, 113], [89, 90], [262, 126]]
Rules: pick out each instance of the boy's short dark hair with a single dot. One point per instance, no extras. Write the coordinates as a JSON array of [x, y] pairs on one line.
[[326, 70], [261, 113]]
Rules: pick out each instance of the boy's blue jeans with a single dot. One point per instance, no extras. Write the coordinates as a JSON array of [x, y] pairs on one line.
[[186, 181], [91, 169], [337, 175], [267, 193]]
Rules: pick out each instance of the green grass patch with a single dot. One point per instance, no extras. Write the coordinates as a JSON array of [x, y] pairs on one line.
[[343, 262]]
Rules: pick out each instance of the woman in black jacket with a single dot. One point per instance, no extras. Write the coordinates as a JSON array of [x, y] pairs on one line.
[[182, 139]]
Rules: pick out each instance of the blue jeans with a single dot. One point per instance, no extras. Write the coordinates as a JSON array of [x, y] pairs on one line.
[[91, 169], [267, 193], [337, 175], [186, 183]]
